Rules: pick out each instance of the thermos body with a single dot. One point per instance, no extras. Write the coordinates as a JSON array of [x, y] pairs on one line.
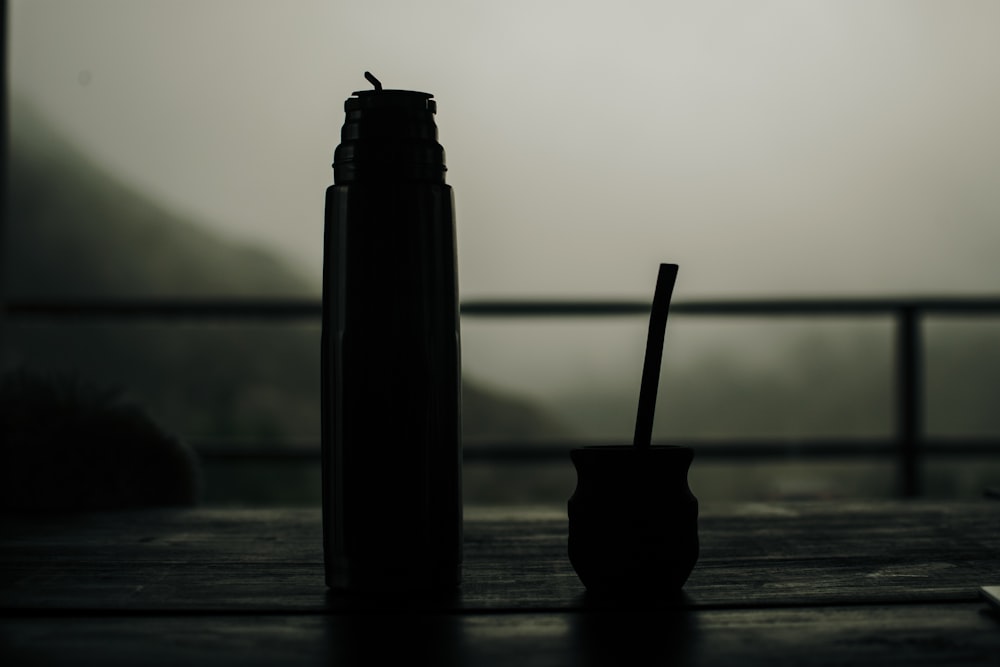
[[391, 386]]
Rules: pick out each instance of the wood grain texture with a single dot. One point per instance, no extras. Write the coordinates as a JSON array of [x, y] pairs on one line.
[[753, 556], [865, 584]]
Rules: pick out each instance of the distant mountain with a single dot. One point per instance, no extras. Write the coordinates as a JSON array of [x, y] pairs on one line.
[[74, 230]]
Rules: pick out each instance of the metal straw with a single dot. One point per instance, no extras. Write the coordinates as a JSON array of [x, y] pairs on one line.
[[665, 280]]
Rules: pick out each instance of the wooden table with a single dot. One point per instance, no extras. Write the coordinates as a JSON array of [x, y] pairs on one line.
[[776, 584]]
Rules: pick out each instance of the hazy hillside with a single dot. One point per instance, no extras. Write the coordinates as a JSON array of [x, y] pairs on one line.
[[75, 231]]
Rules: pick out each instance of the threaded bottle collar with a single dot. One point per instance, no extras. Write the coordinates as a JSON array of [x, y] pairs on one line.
[[389, 135]]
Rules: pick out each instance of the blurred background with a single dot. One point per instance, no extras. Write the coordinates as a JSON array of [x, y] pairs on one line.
[[179, 150]]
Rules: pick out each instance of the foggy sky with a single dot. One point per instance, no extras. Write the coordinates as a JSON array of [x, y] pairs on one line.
[[783, 147]]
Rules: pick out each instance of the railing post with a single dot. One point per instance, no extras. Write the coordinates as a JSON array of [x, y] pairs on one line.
[[909, 399]]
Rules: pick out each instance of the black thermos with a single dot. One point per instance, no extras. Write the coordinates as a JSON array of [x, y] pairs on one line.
[[391, 378]]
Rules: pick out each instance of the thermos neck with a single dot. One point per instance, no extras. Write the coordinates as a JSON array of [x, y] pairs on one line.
[[389, 135]]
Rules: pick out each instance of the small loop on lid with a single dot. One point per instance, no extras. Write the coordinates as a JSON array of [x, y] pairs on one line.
[[372, 80]]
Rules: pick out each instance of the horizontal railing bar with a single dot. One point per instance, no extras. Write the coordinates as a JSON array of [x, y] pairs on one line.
[[768, 307], [235, 308], [553, 308], [243, 308], [499, 452], [846, 307]]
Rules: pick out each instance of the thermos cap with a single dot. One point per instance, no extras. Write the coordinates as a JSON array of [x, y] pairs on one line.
[[389, 135]]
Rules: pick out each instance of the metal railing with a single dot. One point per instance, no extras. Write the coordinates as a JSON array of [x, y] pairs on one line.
[[907, 445]]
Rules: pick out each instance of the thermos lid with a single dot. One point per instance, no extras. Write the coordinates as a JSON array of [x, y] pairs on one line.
[[389, 135], [390, 99]]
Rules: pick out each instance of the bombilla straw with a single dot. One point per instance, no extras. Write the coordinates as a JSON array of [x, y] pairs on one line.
[[372, 80], [665, 280]]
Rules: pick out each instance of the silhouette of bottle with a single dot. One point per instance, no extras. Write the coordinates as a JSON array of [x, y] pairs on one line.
[[392, 507]]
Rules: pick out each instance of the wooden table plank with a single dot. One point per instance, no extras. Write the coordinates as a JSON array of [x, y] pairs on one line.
[[949, 634], [244, 560]]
